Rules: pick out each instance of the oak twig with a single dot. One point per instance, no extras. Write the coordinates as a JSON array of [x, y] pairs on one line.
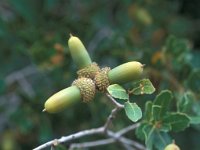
[[92, 143], [71, 137]]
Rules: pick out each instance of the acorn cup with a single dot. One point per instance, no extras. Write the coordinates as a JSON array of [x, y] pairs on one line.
[[81, 89], [89, 71], [78, 52]]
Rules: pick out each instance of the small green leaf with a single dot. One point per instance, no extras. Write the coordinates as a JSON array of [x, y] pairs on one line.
[[117, 91], [143, 87], [152, 134], [162, 139], [184, 104], [156, 111], [163, 100], [194, 119], [139, 131], [133, 111], [165, 127], [148, 111], [178, 121], [148, 131]]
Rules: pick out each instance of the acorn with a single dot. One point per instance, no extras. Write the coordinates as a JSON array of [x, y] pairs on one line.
[[81, 89], [89, 71], [125, 73], [122, 74], [62, 99], [78, 52], [172, 146]]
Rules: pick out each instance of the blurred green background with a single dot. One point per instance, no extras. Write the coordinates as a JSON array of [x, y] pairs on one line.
[[35, 61]]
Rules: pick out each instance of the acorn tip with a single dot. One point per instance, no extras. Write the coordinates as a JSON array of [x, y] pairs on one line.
[[143, 65], [70, 35]]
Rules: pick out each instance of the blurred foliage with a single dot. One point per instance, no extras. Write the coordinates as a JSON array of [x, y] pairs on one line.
[[35, 62]]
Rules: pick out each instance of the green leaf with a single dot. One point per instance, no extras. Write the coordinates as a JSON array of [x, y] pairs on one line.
[[178, 121], [150, 134], [148, 111], [117, 91], [139, 131], [165, 127], [196, 108], [133, 111], [184, 104], [193, 81], [163, 100], [148, 131], [194, 119], [156, 111], [143, 87], [162, 139]]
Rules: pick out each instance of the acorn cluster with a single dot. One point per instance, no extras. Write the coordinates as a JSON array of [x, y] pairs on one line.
[[91, 78]]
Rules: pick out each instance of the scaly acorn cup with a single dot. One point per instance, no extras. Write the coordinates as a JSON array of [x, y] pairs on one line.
[[81, 89], [78, 52], [125, 73], [87, 88], [101, 79], [89, 71]]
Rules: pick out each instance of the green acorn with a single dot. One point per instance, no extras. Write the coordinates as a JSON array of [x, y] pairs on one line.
[[78, 52], [89, 71], [62, 99], [172, 146], [125, 73], [122, 74], [81, 89]]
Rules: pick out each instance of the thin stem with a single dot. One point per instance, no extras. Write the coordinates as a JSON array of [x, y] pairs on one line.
[[92, 143], [124, 140], [114, 101], [71, 137], [113, 113], [127, 129], [110, 118]]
